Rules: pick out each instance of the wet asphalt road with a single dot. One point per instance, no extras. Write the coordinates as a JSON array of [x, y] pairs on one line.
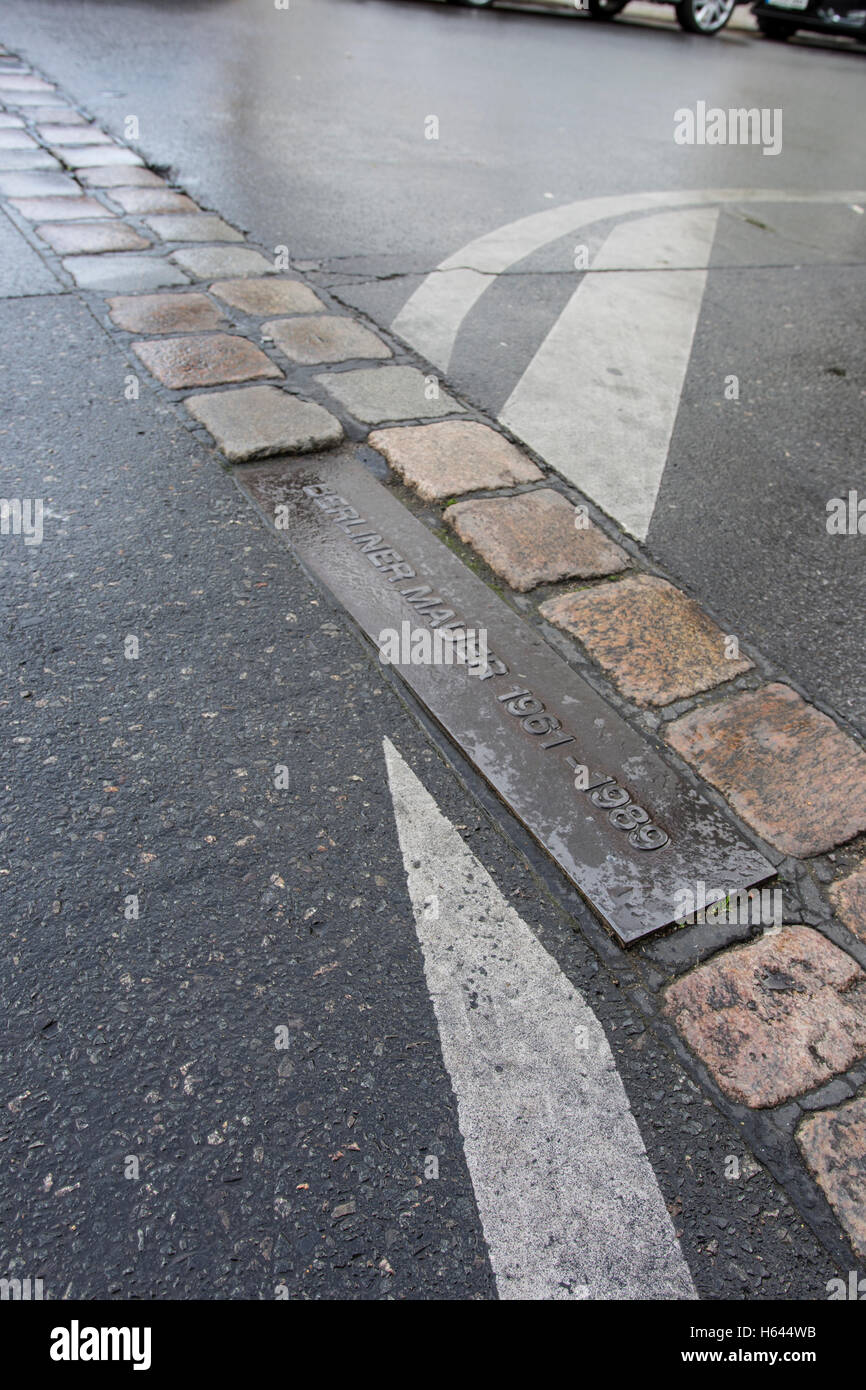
[[306, 127], [153, 1038]]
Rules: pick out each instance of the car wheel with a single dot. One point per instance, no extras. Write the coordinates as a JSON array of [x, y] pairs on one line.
[[775, 28], [474, 3], [606, 9], [704, 16]]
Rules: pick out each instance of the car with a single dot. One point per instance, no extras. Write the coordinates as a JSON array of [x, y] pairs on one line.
[[779, 19], [695, 16]]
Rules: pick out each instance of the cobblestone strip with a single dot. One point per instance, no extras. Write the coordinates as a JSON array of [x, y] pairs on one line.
[[774, 1016]]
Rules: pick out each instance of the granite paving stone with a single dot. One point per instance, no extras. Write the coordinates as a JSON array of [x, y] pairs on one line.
[[324, 338], [271, 296], [377, 394], [126, 176], [205, 360], [656, 643], [40, 184], [16, 140], [59, 209], [775, 1018], [532, 539], [73, 134], [833, 1143], [23, 82], [97, 156], [42, 99], [27, 159], [123, 271], [787, 769], [58, 111], [192, 226], [165, 313], [213, 262], [452, 457], [91, 238], [141, 200], [259, 421], [848, 896]]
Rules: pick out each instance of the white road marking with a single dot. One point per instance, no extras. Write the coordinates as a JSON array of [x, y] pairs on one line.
[[568, 1199], [431, 317], [600, 398]]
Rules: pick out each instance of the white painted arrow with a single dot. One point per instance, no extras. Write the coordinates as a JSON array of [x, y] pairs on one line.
[[568, 1199], [432, 316], [599, 400]]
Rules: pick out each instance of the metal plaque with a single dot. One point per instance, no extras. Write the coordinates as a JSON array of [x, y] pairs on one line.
[[625, 828]]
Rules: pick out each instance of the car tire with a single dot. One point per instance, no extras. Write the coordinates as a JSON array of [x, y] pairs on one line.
[[704, 16], [475, 4], [605, 9], [775, 28]]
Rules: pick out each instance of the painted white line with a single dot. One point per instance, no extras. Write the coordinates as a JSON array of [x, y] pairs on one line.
[[568, 1200], [431, 317], [599, 400]]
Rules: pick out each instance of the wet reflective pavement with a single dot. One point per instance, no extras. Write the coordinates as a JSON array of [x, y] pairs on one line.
[[307, 127]]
